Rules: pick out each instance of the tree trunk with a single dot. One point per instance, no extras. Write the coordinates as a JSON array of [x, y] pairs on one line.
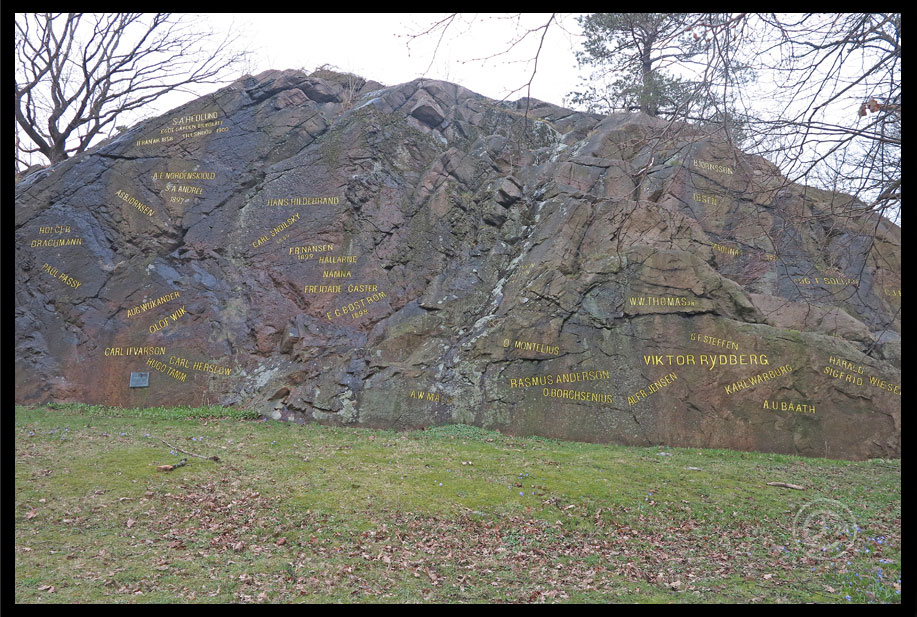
[[648, 103], [57, 153]]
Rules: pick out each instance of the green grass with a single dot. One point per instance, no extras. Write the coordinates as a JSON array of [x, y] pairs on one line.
[[313, 513]]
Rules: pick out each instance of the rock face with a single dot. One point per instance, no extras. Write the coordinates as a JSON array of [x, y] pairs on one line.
[[319, 247]]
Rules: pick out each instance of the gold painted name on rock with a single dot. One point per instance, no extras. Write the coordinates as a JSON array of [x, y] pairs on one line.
[[322, 289], [433, 397], [884, 385], [725, 249], [133, 312], [853, 374], [549, 380], [163, 368], [198, 366], [64, 278], [162, 323], [183, 188], [831, 280], [850, 366], [355, 309], [54, 229], [703, 198], [760, 378], [711, 360], [135, 351], [211, 368], [311, 249], [710, 340], [856, 380], [526, 346], [723, 169], [202, 117], [142, 207], [276, 230], [578, 395], [194, 122], [789, 406], [184, 175], [303, 201], [661, 301], [153, 141], [654, 387], [56, 242]]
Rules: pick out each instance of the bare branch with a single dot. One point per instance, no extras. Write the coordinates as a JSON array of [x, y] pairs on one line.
[[76, 73]]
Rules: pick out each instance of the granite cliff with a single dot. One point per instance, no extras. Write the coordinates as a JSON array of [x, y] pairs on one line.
[[323, 248]]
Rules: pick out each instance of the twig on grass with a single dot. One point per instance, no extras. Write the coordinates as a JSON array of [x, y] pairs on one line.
[[206, 458], [785, 485]]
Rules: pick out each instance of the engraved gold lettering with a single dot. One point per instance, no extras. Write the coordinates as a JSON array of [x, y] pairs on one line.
[[750, 382], [884, 385], [132, 312], [322, 289], [653, 388], [789, 406], [537, 347], [303, 201], [195, 118], [577, 395], [726, 249], [56, 242], [723, 169], [703, 198], [142, 207], [661, 301]]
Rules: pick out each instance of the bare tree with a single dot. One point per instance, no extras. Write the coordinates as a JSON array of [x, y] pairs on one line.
[[833, 104], [76, 73]]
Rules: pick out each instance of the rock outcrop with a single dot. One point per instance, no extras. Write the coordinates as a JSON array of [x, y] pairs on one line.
[[320, 247]]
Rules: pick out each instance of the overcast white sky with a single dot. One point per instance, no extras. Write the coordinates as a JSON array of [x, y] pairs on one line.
[[375, 46]]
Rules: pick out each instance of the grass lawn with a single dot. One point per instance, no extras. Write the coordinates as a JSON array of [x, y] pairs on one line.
[[313, 513]]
